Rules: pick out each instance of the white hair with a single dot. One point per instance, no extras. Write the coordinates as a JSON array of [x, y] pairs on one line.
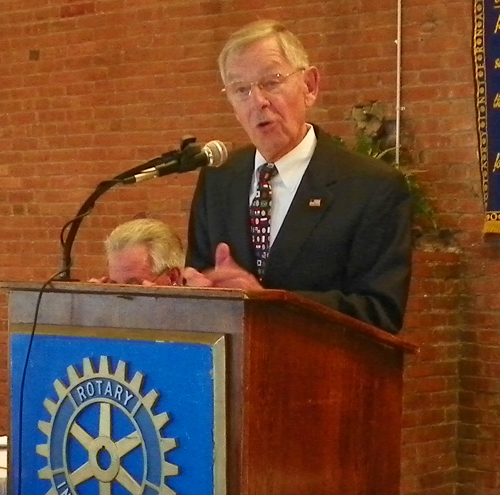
[[162, 242]]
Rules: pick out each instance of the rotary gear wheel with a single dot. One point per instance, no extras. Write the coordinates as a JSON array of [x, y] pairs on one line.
[[100, 452]]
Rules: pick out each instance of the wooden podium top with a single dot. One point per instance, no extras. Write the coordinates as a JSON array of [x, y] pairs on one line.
[[308, 306]]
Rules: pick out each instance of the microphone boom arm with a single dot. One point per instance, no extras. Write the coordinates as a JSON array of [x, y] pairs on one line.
[[88, 205], [190, 157]]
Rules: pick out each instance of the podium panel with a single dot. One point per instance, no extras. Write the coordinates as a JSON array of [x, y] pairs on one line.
[[118, 411]]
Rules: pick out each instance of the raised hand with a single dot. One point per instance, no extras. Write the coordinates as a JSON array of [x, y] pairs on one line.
[[227, 273]]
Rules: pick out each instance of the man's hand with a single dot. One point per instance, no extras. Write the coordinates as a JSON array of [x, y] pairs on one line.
[[194, 278], [101, 280], [228, 274]]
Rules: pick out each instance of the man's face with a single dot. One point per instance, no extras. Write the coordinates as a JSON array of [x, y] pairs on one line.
[[132, 265], [275, 123]]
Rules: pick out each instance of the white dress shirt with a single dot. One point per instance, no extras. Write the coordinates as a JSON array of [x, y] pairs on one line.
[[285, 183]]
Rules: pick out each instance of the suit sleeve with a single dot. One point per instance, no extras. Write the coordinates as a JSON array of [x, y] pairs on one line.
[[200, 253], [376, 285]]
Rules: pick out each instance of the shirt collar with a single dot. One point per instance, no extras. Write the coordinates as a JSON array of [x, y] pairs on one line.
[[292, 166]]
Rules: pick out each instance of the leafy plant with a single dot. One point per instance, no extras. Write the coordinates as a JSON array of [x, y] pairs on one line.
[[375, 137]]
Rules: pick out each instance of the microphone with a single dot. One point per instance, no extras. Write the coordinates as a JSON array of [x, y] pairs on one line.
[[213, 154], [190, 157]]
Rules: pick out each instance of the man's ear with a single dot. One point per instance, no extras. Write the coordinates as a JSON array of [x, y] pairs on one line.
[[311, 81]]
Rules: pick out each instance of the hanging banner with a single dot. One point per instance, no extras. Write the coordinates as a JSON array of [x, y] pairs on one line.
[[487, 75]]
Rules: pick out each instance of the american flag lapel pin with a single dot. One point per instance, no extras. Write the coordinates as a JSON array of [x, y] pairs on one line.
[[315, 203]]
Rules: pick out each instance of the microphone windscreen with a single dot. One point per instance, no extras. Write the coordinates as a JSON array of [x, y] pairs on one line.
[[216, 152]]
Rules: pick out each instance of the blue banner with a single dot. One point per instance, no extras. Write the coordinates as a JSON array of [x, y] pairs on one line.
[[487, 76]]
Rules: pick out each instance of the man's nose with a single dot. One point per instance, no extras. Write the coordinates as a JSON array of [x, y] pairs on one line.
[[257, 94]]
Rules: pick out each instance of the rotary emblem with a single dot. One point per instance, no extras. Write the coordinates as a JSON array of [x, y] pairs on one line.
[[103, 437]]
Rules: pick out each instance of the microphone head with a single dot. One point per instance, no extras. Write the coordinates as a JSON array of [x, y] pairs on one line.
[[216, 152]]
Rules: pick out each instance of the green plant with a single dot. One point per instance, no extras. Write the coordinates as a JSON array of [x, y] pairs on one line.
[[375, 137]]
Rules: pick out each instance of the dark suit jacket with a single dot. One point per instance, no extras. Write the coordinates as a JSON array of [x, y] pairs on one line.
[[345, 242]]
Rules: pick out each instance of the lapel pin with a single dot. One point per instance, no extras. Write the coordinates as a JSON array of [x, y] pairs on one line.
[[315, 203]]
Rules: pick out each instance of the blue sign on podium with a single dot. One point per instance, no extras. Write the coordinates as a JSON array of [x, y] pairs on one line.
[[142, 413]]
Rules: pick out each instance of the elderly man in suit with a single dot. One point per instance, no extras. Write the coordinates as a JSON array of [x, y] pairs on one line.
[[295, 211]]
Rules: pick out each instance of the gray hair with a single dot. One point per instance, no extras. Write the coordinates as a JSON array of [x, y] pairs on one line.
[[163, 244], [290, 46]]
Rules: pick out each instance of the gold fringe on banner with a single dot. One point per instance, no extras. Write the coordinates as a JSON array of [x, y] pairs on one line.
[[492, 223]]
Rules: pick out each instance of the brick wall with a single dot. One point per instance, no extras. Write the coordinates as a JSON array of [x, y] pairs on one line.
[[89, 89], [430, 398]]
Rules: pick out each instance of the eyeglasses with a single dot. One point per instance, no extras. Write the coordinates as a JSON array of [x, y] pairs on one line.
[[270, 84]]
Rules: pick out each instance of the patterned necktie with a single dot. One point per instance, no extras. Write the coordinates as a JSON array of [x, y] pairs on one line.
[[260, 216]]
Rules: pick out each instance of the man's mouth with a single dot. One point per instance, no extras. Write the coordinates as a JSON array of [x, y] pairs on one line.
[[264, 124]]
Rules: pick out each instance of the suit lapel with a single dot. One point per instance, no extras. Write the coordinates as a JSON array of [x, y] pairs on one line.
[[238, 219], [311, 201]]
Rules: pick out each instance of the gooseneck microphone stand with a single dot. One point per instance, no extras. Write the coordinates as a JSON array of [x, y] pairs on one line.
[[173, 159]]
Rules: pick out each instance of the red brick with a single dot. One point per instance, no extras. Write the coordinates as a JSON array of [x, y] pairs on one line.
[[101, 99]]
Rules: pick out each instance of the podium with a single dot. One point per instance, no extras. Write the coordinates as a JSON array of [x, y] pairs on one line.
[[132, 390]]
